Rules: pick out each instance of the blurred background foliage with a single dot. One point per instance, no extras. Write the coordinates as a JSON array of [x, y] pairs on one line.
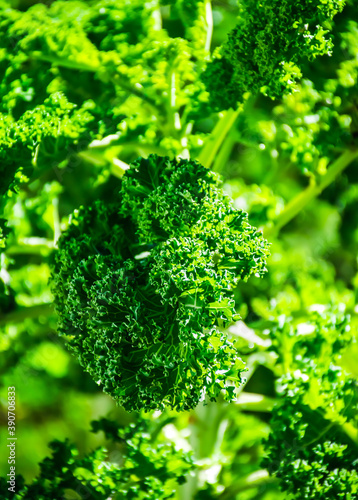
[[273, 151]]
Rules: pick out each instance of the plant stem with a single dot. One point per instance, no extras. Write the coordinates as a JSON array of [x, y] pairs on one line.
[[23, 313], [225, 151], [255, 402], [351, 431], [217, 137], [118, 167], [313, 190], [31, 246], [209, 24], [254, 480], [56, 221]]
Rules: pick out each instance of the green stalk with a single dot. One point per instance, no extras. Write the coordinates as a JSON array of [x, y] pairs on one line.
[[32, 246], [254, 402], [254, 480], [145, 147], [217, 137], [225, 151], [351, 431], [173, 118], [118, 167], [314, 189], [56, 221], [209, 24], [23, 313]]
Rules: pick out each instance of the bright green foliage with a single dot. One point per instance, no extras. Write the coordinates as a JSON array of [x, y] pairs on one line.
[[124, 55], [142, 469], [47, 131], [326, 117], [141, 286], [320, 336], [314, 458], [150, 280], [313, 447], [110, 59], [41, 138], [265, 50], [195, 17], [308, 126]]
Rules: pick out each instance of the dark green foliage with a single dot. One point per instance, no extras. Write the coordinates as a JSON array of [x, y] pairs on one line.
[[141, 469], [313, 457], [142, 286], [265, 50], [219, 80], [312, 447], [118, 25], [7, 299], [192, 14]]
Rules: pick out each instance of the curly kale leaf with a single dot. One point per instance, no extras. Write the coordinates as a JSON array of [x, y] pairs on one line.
[[115, 53], [45, 133], [313, 459], [266, 49], [41, 138], [310, 450], [143, 285], [120, 26], [312, 447], [140, 470]]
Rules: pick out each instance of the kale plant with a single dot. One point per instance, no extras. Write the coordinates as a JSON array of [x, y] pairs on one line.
[[138, 467], [143, 284], [178, 211], [266, 48], [312, 447]]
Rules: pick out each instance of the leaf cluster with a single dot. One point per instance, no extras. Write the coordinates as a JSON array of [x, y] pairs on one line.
[[142, 285], [264, 52], [47, 134], [72, 72], [116, 50], [309, 126], [137, 468], [312, 445]]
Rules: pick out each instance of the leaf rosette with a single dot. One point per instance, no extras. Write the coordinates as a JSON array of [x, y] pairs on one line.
[[144, 286]]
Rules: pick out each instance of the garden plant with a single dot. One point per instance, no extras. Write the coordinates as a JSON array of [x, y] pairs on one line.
[[179, 249]]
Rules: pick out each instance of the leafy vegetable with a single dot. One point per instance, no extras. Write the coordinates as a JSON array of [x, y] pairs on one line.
[[316, 420], [109, 112], [265, 50], [140, 469], [142, 286]]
